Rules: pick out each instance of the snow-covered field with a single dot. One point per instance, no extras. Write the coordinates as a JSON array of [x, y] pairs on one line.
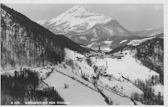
[[117, 100], [124, 87], [76, 93], [72, 73], [128, 67]]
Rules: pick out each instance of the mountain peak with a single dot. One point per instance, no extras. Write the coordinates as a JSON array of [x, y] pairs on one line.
[[75, 11], [79, 10], [79, 7], [79, 19]]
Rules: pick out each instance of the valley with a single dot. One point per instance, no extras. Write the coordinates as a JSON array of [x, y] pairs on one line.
[[78, 58]]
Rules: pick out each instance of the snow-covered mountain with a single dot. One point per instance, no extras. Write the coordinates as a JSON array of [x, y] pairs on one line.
[[84, 26], [93, 29], [77, 19]]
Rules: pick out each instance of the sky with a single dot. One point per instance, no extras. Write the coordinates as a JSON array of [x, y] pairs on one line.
[[133, 17]]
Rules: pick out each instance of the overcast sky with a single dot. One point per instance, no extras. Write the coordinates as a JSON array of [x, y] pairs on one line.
[[131, 16]]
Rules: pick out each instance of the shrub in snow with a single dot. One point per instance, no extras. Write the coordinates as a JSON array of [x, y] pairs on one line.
[[89, 62], [70, 62], [84, 77], [66, 86], [64, 65], [110, 101]]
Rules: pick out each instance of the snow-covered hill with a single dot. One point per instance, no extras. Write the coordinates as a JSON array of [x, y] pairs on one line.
[[149, 32], [124, 71], [109, 43], [115, 78]]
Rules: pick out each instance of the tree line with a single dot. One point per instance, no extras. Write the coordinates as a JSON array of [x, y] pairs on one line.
[[23, 86]]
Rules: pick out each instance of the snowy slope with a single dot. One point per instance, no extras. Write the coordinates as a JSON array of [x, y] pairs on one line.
[[81, 66], [115, 67], [138, 41], [78, 16], [129, 68], [76, 93], [117, 100], [123, 41], [107, 42], [41, 22], [89, 71], [125, 87]]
